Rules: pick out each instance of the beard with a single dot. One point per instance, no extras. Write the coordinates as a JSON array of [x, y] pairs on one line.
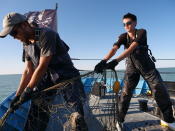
[[25, 41], [25, 38]]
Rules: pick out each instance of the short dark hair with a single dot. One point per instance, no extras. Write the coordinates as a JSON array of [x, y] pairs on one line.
[[131, 16]]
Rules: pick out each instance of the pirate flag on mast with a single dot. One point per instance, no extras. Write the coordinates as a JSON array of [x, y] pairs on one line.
[[46, 18]]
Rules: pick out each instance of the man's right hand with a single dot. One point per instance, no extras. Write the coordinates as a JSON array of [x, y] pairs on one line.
[[15, 100], [100, 66]]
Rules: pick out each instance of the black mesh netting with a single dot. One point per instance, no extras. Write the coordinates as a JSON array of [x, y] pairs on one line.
[[58, 111]]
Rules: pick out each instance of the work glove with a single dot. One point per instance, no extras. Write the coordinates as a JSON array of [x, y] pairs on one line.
[[100, 66], [111, 65], [16, 98], [26, 95]]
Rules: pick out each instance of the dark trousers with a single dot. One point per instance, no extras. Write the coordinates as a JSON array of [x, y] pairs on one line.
[[74, 95], [155, 82], [38, 116], [39, 113]]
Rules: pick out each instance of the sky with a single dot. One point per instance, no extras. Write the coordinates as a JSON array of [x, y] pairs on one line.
[[90, 27]]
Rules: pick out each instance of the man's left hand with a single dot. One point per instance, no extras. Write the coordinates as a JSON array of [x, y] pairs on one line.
[[111, 65], [26, 95]]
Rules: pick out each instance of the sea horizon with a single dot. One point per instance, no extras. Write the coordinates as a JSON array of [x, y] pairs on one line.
[[91, 70], [9, 82]]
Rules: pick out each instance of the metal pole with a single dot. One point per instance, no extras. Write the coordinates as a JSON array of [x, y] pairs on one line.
[[56, 6]]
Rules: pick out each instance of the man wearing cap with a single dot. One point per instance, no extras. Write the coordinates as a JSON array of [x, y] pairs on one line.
[[47, 63]]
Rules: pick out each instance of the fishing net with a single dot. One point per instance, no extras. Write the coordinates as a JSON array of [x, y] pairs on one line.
[[65, 109], [100, 106]]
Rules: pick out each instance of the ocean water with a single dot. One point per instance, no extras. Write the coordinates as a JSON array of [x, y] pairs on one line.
[[9, 83]]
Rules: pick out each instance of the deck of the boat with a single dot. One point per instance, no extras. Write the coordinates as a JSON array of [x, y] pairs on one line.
[[136, 120], [100, 113]]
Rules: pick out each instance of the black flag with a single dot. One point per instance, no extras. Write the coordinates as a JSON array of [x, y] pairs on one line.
[[46, 18]]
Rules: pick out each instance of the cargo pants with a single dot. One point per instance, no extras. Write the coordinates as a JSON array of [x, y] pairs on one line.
[[141, 64]]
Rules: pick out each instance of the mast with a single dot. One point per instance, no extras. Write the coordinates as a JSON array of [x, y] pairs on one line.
[[56, 7]]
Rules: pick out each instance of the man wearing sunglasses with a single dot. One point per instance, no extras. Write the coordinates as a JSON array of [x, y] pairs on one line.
[[139, 62], [47, 63]]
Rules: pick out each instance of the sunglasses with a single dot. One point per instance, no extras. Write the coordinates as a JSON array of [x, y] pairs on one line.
[[127, 23]]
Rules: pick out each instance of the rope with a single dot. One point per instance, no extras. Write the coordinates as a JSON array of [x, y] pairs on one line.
[[113, 59], [4, 117], [59, 85]]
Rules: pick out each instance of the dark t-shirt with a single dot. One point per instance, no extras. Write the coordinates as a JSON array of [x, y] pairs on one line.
[[141, 38], [49, 43], [139, 57]]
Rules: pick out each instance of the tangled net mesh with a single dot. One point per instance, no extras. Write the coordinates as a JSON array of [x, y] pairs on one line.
[[100, 106]]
